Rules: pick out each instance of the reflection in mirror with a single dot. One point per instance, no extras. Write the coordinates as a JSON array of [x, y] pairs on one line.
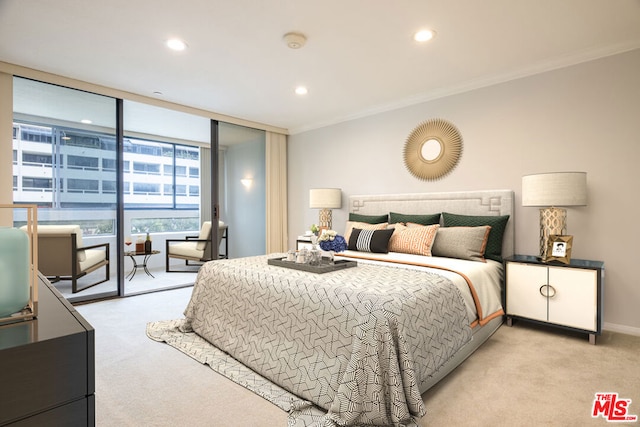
[[431, 150]]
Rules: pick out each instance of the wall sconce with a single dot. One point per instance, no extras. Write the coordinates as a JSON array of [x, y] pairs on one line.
[[552, 190], [247, 182], [325, 199]]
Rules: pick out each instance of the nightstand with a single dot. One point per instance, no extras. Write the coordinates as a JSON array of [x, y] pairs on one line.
[[303, 242], [568, 296]]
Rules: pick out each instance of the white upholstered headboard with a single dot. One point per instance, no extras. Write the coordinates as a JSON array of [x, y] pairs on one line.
[[485, 202]]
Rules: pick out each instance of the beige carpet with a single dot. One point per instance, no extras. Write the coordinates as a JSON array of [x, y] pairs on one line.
[[523, 376]]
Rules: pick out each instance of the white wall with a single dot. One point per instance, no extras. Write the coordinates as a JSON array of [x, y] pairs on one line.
[[580, 118]]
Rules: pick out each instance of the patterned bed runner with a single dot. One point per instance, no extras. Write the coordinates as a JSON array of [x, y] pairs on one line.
[[302, 413]]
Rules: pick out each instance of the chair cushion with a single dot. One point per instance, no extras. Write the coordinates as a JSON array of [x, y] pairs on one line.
[[63, 229], [205, 233], [188, 249], [92, 257]]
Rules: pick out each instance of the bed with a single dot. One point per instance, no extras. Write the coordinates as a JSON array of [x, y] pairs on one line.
[[362, 344]]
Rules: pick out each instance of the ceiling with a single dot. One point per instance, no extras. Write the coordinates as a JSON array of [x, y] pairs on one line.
[[359, 58]]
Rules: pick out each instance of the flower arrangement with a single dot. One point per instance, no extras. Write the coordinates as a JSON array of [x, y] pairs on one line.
[[329, 240]]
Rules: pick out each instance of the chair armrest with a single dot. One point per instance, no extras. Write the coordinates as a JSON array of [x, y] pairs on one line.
[[187, 240], [105, 245]]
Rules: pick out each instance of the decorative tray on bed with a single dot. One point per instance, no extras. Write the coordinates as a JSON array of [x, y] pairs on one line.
[[323, 267]]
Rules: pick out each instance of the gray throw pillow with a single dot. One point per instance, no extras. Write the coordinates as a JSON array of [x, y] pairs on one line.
[[498, 226], [467, 243]]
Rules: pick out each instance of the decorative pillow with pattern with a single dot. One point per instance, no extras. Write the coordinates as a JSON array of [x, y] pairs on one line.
[[369, 219], [426, 219], [498, 225], [461, 242], [413, 239], [370, 240], [363, 226]]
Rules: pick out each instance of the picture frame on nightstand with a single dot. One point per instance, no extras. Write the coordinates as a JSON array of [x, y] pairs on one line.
[[559, 248]]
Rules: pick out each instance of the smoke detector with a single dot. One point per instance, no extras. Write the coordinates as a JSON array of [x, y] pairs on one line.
[[295, 40]]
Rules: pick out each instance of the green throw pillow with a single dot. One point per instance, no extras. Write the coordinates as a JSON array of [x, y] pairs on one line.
[[369, 219], [426, 219], [498, 225]]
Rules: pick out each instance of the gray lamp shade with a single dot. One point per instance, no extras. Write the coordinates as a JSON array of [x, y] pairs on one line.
[[555, 189], [325, 198]]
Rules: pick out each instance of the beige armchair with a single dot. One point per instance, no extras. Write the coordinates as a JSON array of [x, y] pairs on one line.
[[196, 248], [63, 256]]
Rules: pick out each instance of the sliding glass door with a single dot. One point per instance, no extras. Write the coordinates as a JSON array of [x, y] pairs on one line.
[[64, 161], [162, 182]]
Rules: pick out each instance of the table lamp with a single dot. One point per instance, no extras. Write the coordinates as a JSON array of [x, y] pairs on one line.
[[550, 190], [325, 199]]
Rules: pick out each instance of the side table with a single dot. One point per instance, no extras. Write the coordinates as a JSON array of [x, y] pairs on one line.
[[143, 264], [303, 242]]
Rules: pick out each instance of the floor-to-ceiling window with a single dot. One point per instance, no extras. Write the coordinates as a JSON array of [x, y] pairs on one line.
[[68, 161]]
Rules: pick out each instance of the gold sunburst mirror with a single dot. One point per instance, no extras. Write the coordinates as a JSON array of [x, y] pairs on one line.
[[432, 149]]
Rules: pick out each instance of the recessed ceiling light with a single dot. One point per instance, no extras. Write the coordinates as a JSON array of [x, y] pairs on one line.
[[176, 44], [301, 90], [86, 121], [424, 35]]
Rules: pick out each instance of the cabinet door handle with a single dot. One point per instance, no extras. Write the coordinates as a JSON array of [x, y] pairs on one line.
[[548, 294]]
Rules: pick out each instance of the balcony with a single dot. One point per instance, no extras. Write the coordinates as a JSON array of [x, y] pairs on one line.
[[100, 229]]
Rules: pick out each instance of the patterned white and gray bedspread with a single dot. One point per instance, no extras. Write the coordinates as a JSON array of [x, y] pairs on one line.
[[359, 342]]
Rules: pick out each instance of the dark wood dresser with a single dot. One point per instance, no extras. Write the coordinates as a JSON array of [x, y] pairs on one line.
[[47, 366]]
